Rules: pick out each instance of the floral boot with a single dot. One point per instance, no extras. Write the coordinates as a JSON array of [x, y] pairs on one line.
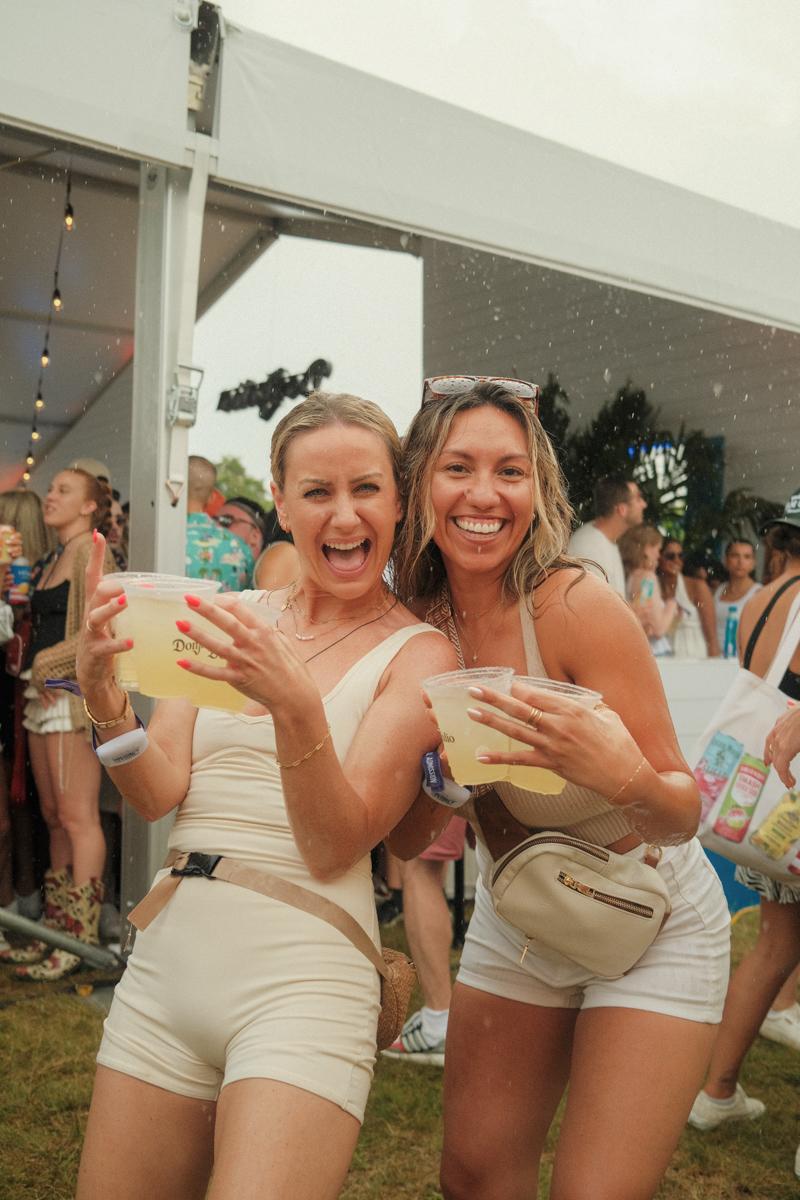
[[55, 889], [81, 921]]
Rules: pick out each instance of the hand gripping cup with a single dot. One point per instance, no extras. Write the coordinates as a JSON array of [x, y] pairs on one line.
[[155, 603], [539, 779], [464, 739], [124, 663]]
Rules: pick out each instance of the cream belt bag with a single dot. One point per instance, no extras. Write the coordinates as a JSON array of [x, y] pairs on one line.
[[599, 909]]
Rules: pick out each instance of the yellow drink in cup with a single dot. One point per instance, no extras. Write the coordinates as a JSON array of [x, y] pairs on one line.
[[540, 779], [123, 663], [154, 605], [463, 738]]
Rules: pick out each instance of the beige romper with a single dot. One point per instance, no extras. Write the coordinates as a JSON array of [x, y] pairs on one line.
[[227, 984]]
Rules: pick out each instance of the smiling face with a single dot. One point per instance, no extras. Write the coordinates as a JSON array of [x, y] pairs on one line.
[[671, 560], [66, 502], [340, 502], [482, 491]]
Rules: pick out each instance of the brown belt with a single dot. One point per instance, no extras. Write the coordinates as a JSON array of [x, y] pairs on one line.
[[254, 879]]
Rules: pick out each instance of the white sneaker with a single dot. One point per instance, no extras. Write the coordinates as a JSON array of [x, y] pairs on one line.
[[708, 1113], [783, 1027]]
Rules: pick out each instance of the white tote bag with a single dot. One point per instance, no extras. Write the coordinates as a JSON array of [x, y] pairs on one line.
[[747, 813]]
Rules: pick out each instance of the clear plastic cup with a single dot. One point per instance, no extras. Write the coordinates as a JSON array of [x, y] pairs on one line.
[[155, 603], [540, 779], [124, 663], [464, 738]]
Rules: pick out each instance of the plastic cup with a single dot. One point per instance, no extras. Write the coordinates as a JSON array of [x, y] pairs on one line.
[[540, 779], [463, 738], [124, 663], [6, 534], [155, 603]]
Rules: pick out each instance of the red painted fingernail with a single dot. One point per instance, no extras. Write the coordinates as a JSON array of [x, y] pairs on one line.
[[182, 662], [123, 599], [183, 626], [192, 601], [129, 643], [95, 535]]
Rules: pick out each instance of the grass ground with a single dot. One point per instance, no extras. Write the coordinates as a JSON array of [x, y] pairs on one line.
[[47, 1045]]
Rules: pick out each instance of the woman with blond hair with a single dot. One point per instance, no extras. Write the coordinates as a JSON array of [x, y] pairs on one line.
[[243, 1026], [483, 551], [65, 769], [639, 548]]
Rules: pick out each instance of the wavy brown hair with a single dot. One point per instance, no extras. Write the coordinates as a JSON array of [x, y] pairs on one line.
[[419, 570]]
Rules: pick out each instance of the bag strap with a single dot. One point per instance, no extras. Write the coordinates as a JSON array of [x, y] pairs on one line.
[[761, 622], [244, 875], [499, 830]]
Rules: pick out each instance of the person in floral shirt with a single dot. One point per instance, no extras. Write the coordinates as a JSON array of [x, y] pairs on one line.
[[211, 551]]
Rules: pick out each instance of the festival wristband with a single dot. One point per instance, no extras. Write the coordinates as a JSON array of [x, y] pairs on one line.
[[119, 751], [442, 790]]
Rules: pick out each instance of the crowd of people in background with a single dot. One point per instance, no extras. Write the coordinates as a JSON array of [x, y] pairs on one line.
[[59, 853]]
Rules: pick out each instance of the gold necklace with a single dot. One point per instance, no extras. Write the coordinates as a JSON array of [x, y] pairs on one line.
[[474, 652], [294, 608], [371, 621]]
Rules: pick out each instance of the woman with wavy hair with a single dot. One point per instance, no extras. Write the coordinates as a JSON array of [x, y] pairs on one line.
[[65, 769], [483, 551]]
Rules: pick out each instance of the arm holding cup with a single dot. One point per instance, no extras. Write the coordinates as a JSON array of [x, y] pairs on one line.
[[338, 811], [157, 780], [624, 748]]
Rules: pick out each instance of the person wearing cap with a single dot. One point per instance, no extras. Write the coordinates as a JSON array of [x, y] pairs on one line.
[[92, 466], [247, 519], [756, 1000]]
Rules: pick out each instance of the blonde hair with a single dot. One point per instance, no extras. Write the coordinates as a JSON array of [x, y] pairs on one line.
[[332, 408], [23, 510], [418, 567], [632, 545]]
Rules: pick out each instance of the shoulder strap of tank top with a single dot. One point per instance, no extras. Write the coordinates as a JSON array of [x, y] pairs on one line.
[[762, 620]]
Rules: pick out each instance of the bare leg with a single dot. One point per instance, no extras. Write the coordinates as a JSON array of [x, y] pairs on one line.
[[752, 989], [787, 996], [60, 851], [278, 1142], [429, 928], [634, 1077], [393, 869], [142, 1141], [75, 775], [506, 1065]]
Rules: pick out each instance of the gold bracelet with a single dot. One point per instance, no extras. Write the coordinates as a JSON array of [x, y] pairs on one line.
[[306, 757], [619, 791], [123, 716]]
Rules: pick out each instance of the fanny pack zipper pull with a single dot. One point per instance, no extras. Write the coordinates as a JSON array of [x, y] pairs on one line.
[[524, 951]]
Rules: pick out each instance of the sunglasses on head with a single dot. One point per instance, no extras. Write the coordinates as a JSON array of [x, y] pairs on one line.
[[442, 387], [672, 555]]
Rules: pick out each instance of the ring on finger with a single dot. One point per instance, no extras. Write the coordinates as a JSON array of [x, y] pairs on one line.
[[534, 717], [90, 626]]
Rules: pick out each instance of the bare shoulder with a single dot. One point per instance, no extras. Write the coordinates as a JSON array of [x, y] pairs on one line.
[[569, 598]]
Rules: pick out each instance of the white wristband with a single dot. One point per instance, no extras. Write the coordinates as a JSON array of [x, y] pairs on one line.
[[123, 749]]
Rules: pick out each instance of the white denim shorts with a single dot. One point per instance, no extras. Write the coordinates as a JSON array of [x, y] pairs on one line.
[[684, 973]]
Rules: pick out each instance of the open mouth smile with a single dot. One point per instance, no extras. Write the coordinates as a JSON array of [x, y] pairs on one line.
[[347, 557], [485, 527]]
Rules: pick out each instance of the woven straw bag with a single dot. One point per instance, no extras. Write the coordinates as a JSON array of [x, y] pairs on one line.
[[397, 983]]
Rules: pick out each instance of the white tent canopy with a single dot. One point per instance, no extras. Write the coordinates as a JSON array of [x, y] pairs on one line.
[[292, 143]]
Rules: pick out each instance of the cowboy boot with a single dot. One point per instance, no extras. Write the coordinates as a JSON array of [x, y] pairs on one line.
[[81, 921], [55, 888]]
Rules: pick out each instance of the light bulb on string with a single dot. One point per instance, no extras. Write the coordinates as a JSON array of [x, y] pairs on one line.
[[45, 357], [56, 300], [30, 460], [69, 218], [35, 435], [39, 401], [26, 475]]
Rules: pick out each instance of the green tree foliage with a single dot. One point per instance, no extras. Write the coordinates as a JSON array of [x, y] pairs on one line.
[[233, 480]]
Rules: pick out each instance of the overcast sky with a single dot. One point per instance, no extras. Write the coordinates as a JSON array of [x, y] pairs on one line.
[[705, 95]]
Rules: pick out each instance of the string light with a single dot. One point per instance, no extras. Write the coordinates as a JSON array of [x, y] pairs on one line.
[[56, 305]]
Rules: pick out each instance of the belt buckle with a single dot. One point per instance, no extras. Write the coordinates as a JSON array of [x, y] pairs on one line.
[[199, 864]]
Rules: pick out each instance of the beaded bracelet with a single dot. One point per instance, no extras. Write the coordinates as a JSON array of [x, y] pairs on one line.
[[619, 791], [305, 758]]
